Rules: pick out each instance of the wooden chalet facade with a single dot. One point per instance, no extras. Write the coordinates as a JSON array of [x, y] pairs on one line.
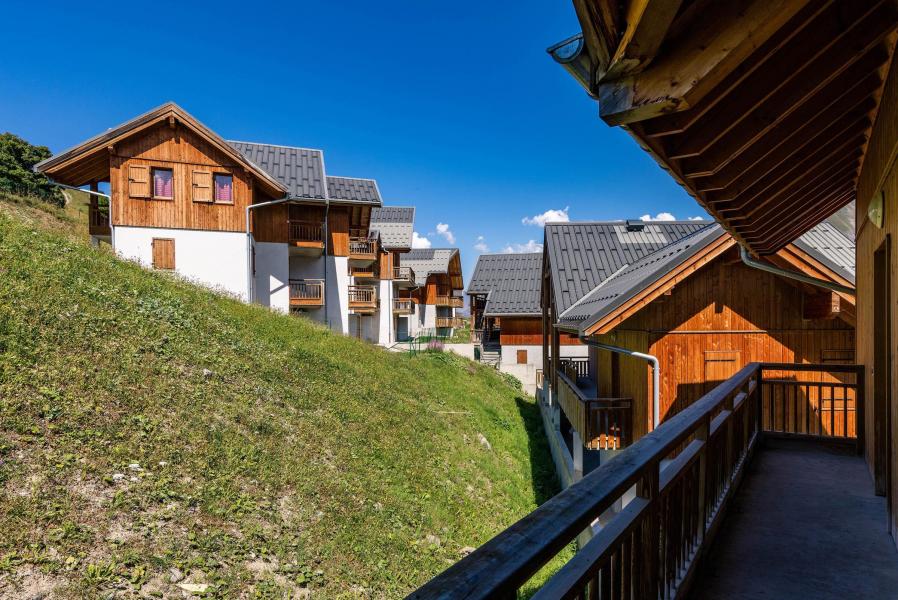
[[261, 222], [772, 115], [691, 303], [437, 293]]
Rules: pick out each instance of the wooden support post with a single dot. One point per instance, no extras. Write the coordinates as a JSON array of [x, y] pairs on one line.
[[648, 488], [701, 434], [577, 444], [859, 399]]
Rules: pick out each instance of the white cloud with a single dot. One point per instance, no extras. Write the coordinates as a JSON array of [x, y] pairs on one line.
[[552, 215], [443, 230], [696, 218], [419, 241], [481, 246], [661, 216], [530, 246]]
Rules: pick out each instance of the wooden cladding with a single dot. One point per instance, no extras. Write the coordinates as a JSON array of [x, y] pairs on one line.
[[184, 195], [164, 254]]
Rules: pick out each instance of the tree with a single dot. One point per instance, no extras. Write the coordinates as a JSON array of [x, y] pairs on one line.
[[17, 159]]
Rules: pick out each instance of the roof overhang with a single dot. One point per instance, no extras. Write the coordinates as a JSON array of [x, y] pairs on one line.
[[762, 109], [89, 160]]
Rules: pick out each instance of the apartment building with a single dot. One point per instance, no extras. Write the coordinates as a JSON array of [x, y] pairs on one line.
[[262, 222], [437, 294]]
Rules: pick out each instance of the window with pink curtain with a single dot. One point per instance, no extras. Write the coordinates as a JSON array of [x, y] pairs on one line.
[[224, 185], [163, 183]]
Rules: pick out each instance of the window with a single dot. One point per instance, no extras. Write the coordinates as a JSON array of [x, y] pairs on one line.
[[224, 188], [163, 184], [164, 254]]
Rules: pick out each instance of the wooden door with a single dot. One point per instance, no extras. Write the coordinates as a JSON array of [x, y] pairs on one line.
[[164, 254], [720, 365], [882, 375]]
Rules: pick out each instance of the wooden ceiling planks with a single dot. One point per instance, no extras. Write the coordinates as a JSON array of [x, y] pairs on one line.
[[761, 109]]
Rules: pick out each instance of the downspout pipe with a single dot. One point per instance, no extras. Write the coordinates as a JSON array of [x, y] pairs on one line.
[[763, 266], [656, 372], [250, 288]]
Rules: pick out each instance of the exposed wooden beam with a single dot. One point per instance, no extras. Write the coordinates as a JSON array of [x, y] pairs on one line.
[[647, 22], [772, 127], [803, 66], [725, 36], [597, 21], [767, 244], [741, 200]]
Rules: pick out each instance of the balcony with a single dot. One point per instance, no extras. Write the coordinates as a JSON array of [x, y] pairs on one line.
[[306, 236], [98, 218], [362, 251], [449, 322], [603, 423], [306, 293], [444, 299], [403, 306], [362, 298], [404, 277], [807, 525], [368, 271]]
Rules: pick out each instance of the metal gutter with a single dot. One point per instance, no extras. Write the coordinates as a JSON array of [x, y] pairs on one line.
[[823, 283]]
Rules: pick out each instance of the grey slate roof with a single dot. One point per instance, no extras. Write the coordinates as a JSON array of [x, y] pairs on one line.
[[830, 246], [395, 224], [424, 261], [300, 170], [512, 282], [353, 189], [583, 255], [633, 278]]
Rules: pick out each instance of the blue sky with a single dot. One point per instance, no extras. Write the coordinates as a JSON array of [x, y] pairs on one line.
[[454, 108]]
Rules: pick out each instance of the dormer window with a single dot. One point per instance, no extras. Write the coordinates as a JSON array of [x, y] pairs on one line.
[[224, 188], [163, 184]]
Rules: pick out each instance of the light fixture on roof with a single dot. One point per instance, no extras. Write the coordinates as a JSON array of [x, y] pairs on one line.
[[571, 55], [635, 225]]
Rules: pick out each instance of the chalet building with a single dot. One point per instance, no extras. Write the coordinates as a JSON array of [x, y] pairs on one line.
[[678, 292], [772, 115], [393, 227], [262, 222], [506, 315], [437, 294]]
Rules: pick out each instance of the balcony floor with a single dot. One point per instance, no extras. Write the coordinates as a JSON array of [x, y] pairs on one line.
[[804, 524]]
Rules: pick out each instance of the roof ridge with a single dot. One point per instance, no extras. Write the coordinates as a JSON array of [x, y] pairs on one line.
[[624, 221], [276, 145], [354, 178]]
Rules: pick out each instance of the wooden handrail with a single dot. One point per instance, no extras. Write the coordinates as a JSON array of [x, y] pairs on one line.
[[650, 548], [305, 231], [403, 273], [401, 304], [306, 289], [361, 246], [366, 294]]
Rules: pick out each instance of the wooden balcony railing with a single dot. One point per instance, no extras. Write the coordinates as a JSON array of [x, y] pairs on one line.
[[447, 300], [403, 274], [362, 296], [362, 248], [602, 423], [306, 292], [652, 546], [366, 272], [575, 367], [449, 322], [98, 218], [403, 306], [306, 231]]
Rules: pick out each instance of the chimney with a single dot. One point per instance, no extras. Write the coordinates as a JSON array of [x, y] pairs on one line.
[[635, 225]]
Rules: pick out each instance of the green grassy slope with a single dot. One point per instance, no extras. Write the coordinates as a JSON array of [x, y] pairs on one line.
[[268, 454]]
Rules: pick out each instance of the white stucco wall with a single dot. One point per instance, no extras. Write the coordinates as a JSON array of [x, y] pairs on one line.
[[272, 276], [217, 259], [430, 316], [337, 292], [386, 334]]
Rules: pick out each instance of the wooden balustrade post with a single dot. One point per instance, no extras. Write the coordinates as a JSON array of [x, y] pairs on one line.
[[860, 378], [650, 546], [702, 434], [759, 413]]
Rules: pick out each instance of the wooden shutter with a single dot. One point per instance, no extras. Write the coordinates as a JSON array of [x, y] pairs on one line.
[[522, 357], [138, 181], [164, 253], [202, 186]]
